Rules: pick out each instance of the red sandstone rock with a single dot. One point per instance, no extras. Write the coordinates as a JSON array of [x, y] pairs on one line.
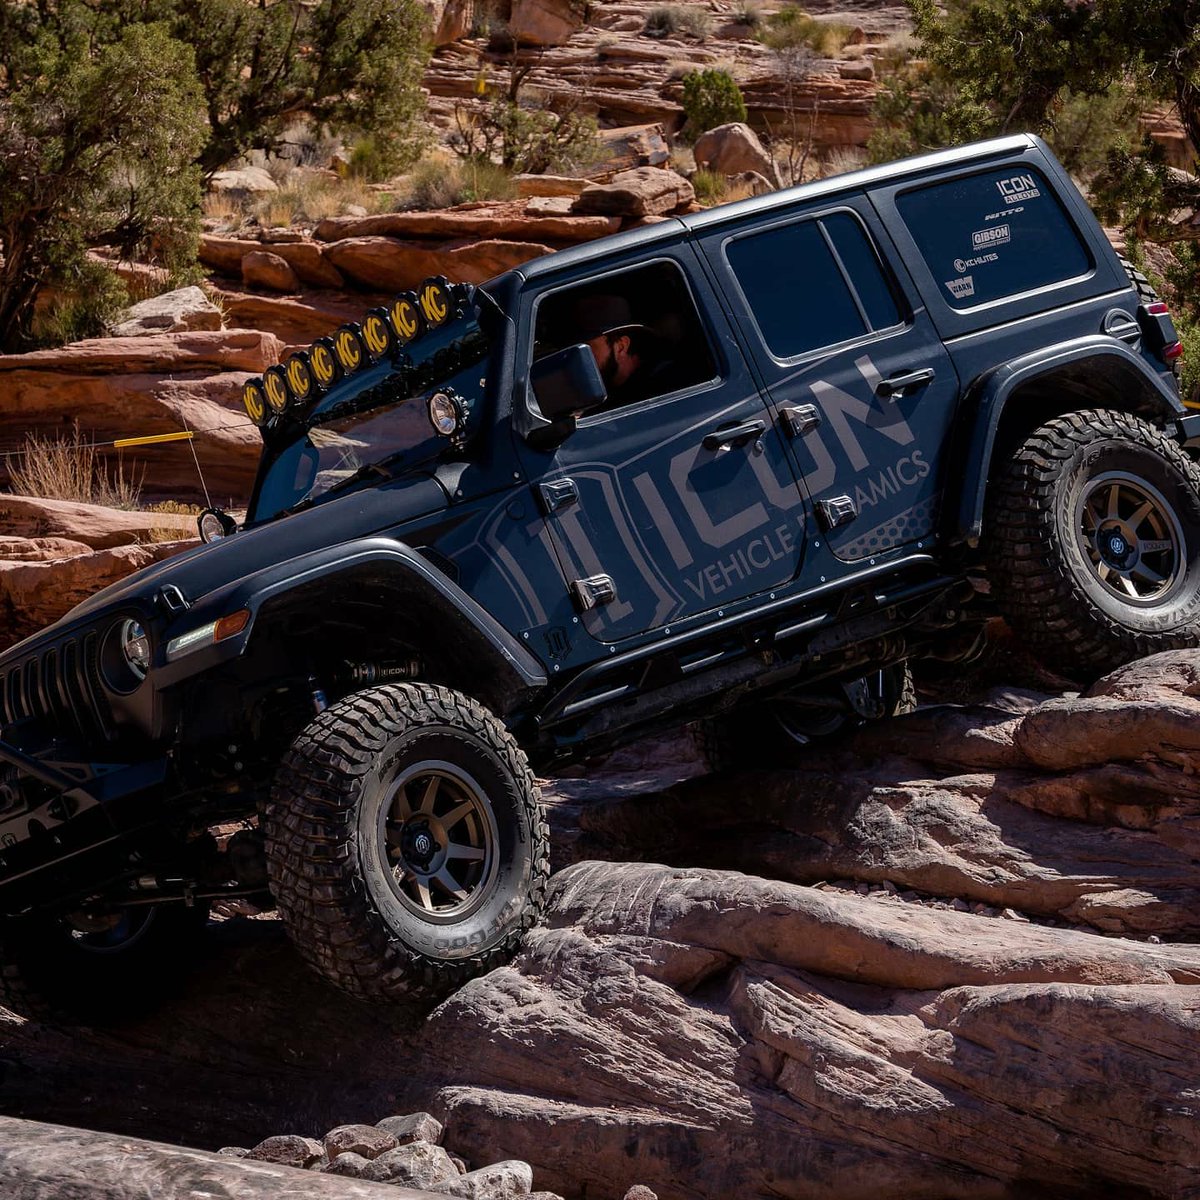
[[393, 265], [508, 221], [261, 268], [644, 191]]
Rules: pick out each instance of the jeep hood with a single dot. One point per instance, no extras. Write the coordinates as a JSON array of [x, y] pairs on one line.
[[204, 569]]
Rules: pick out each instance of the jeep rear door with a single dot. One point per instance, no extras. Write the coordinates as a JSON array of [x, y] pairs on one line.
[[858, 377], [679, 502]]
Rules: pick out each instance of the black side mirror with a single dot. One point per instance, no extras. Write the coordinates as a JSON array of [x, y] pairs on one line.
[[567, 384]]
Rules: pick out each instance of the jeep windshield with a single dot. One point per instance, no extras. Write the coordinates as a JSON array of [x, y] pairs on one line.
[[376, 421]]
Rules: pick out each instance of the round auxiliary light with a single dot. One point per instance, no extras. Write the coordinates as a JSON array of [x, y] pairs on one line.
[[376, 334], [135, 646], [276, 388], [436, 301], [404, 316], [348, 348], [324, 365], [445, 413], [215, 524], [254, 401], [299, 376]]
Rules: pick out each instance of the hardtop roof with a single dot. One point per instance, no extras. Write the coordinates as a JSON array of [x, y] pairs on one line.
[[853, 180]]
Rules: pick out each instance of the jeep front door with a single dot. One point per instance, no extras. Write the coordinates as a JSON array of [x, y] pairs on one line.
[[677, 497]]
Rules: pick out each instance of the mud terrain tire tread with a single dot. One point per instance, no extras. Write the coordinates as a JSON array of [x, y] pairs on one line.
[[1032, 581], [312, 849]]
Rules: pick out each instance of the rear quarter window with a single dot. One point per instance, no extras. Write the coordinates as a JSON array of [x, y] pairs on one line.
[[994, 235]]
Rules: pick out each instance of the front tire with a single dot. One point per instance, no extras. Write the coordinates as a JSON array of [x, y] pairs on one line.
[[406, 845], [1094, 538]]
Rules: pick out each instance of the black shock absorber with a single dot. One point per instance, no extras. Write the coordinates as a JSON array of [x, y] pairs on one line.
[[366, 674]]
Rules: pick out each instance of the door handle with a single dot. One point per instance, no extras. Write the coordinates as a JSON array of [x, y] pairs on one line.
[[895, 385], [735, 435]]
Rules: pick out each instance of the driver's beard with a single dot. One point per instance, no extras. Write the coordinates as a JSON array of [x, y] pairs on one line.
[[608, 372]]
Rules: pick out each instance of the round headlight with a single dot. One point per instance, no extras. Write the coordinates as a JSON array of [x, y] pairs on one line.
[[135, 645], [444, 414]]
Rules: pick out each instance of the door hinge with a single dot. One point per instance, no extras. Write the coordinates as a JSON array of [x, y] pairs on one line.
[[838, 510], [593, 592], [799, 419], [557, 493]]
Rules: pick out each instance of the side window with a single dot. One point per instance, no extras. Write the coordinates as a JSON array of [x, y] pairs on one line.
[[641, 325], [990, 236], [812, 284]]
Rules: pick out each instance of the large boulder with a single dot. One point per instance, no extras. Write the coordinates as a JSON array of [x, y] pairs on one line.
[[178, 311], [243, 181], [508, 221], [733, 148], [641, 192], [264, 269], [227, 255], [545, 22], [389, 264]]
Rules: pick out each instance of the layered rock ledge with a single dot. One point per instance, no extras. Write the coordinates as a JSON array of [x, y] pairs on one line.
[[952, 957]]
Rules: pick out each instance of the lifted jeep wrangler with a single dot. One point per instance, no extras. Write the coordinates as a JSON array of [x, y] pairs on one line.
[[738, 467]]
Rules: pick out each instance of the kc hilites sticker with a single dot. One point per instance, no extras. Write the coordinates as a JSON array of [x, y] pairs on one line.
[[963, 288], [1018, 188], [995, 235], [965, 264]]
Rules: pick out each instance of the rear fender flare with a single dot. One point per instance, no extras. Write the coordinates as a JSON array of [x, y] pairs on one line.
[[1097, 362]]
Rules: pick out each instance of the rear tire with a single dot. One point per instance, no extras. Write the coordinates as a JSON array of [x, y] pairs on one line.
[[777, 732], [406, 845], [97, 970], [1094, 543]]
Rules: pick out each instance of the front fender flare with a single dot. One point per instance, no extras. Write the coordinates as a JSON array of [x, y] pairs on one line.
[[511, 670], [1098, 360]]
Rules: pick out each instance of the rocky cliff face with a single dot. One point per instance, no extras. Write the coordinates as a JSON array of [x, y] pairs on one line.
[[953, 956]]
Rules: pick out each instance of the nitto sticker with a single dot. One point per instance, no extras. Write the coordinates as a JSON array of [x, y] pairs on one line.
[[1018, 188], [962, 288], [1008, 212], [965, 264], [997, 235]]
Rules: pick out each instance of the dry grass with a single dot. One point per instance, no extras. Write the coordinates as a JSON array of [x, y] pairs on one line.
[[442, 183], [843, 159], [68, 468], [307, 199], [896, 53]]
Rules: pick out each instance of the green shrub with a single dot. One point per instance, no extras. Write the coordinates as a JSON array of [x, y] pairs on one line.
[[678, 20], [88, 300], [711, 98], [709, 186]]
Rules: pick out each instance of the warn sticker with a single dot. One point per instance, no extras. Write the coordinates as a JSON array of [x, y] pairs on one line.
[[961, 289]]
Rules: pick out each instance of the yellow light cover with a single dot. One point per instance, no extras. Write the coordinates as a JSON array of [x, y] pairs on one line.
[[348, 348], [254, 401], [299, 375], [405, 318], [376, 335], [275, 386], [435, 301], [324, 365]]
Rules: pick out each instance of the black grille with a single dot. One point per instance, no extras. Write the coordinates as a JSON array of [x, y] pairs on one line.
[[59, 687]]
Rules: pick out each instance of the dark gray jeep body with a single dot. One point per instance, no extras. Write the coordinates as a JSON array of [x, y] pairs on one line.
[[855, 367]]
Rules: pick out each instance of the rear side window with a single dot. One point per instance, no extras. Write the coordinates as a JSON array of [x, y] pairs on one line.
[[992, 236], [813, 284]]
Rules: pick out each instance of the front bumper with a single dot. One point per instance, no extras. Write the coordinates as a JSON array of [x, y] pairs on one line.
[[63, 826]]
